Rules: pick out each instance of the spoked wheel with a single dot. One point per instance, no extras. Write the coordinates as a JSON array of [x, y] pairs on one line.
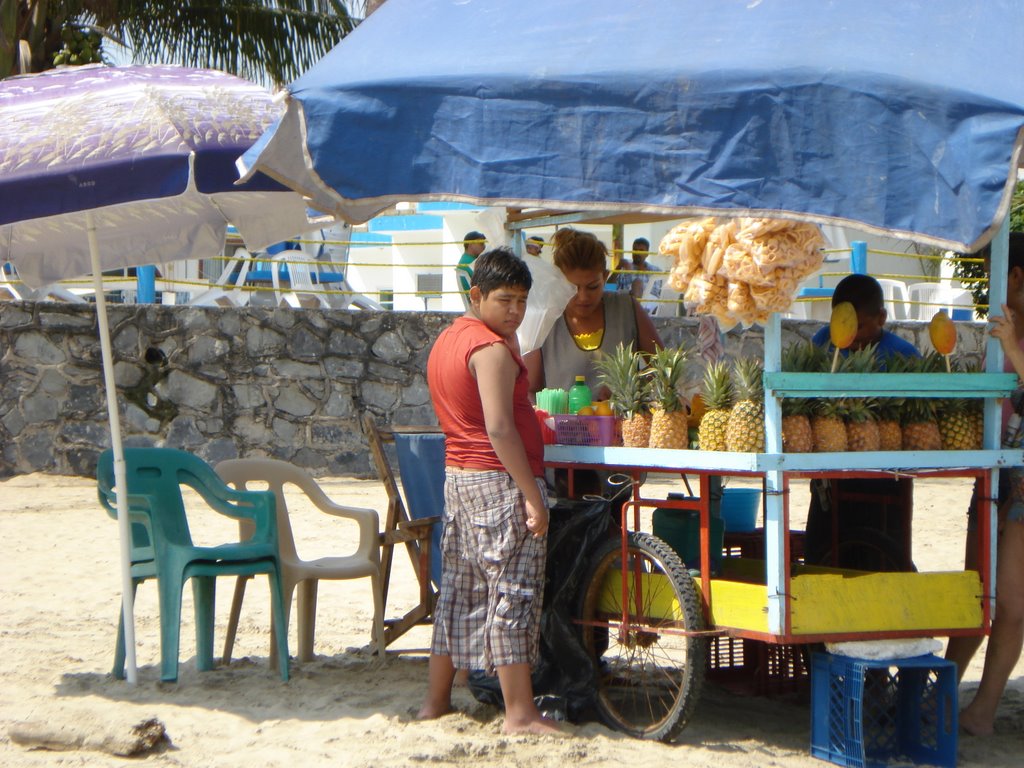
[[649, 677]]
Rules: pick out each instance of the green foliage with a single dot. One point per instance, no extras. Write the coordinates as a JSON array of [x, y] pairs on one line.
[[263, 40], [972, 274]]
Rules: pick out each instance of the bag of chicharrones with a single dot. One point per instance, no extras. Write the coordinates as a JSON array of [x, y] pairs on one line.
[[550, 294]]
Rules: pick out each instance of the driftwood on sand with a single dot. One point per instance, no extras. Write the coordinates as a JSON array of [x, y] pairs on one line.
[[119, 739]]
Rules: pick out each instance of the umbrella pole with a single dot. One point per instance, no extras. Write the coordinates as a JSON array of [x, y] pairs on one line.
[[120, 473]]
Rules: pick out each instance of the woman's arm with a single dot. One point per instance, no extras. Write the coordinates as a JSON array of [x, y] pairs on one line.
[[647, 338], [534, 362], [1003, 329]]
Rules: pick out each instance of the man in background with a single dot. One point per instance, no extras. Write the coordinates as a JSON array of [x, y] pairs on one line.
[[473, 245], [534, 244]]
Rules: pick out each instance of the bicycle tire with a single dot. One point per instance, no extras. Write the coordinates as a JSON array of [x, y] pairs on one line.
[[648, 680]]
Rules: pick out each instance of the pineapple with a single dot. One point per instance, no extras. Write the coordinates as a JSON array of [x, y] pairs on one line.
[[890, 409], [862, 432], [718, 398], [620, 372], [669, 422], [890, 434], [958, 422], [745, 430], [828, 426], [797, 436], [957, 425], [920, 430]]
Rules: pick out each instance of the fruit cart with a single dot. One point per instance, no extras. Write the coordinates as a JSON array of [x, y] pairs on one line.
[[647, 625]]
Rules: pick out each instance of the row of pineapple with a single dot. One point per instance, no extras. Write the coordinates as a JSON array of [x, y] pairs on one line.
[[730, 407], [875, 423]]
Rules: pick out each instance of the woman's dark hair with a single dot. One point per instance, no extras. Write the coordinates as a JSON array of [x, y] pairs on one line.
[[579, 250], [500, 268]]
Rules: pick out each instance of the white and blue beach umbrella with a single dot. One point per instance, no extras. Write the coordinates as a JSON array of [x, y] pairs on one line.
[[902, 118], [104, 167]]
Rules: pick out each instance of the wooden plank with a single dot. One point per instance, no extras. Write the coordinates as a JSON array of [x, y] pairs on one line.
[[873, 602], [789, 384]]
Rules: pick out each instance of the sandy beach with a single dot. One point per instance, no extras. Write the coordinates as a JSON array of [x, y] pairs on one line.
[[60, 600]]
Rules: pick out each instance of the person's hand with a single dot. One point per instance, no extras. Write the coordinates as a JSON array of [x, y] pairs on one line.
[[1002, 327], [536, 519]]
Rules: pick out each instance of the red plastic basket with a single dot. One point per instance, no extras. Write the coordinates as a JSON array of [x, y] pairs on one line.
[[587, 430]]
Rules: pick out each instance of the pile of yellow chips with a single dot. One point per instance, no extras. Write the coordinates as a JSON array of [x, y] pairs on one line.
[[741, 270]]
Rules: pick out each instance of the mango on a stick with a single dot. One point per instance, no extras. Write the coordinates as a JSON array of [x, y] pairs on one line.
[[942, 332], [842, 329]]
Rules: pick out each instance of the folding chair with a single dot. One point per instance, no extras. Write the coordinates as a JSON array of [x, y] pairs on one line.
[[400, 527]]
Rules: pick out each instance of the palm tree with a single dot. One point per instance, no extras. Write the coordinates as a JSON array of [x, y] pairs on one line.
[[273, 40]]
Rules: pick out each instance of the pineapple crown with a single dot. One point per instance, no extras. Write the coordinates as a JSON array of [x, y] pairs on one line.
[[667, 370], [749, 379], [717, 386], [620, 372]]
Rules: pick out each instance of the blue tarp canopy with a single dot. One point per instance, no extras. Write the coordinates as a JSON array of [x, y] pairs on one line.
[[903, 118]]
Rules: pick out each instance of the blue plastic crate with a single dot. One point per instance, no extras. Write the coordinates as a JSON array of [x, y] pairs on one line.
[[867, 713]]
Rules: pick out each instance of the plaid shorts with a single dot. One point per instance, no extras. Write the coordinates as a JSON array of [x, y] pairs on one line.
[[488, 613]]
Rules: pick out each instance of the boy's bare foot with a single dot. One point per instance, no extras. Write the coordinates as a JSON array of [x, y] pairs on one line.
[[973, 725], [431, 710], [540, 727]]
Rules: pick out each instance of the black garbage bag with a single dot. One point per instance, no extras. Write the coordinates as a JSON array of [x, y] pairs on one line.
[[564, 678]]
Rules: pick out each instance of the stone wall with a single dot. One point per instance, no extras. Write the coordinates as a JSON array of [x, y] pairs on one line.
[[230, 382]]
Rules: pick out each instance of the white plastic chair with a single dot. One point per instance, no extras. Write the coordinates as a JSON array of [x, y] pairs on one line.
[[960, 299], [254, 474], [302, 292], [18, 291], [896, 298], [926, 299], [223, 295]]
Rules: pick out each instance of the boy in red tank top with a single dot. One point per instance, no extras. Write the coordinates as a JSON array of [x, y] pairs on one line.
[[496, 516]]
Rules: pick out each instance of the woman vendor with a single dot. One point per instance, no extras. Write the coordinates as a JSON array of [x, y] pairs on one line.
[[593, 322]]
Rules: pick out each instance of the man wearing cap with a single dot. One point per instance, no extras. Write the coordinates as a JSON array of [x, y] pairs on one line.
[[473, 245], [534, 243]]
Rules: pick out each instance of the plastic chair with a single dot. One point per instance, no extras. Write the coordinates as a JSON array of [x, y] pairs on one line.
[[296, 572], [155, 477], [895, 294], [302, 292], [227, 292], [926, 299]]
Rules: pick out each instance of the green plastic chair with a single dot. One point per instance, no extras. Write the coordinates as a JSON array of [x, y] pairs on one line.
[[155, 477]]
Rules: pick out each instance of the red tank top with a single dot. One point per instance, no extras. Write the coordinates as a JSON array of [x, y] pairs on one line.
[[456, 399]]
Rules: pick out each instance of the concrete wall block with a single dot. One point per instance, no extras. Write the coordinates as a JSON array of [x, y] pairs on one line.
[[248, 396], [292, 369], [183, 433], [37, 346], [341, 368], [292, 401], [391, 347], [339, 403], [346, 344], [52, 316], [287, 432], [208, 352], [16, 315], [303, 344], [380, 396], [264, 342], [185, 389], [40, 407]]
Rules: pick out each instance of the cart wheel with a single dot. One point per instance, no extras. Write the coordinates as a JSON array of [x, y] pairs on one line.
[[648, 678]]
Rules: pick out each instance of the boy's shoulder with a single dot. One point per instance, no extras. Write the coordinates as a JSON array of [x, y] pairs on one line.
[[890, 343]]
